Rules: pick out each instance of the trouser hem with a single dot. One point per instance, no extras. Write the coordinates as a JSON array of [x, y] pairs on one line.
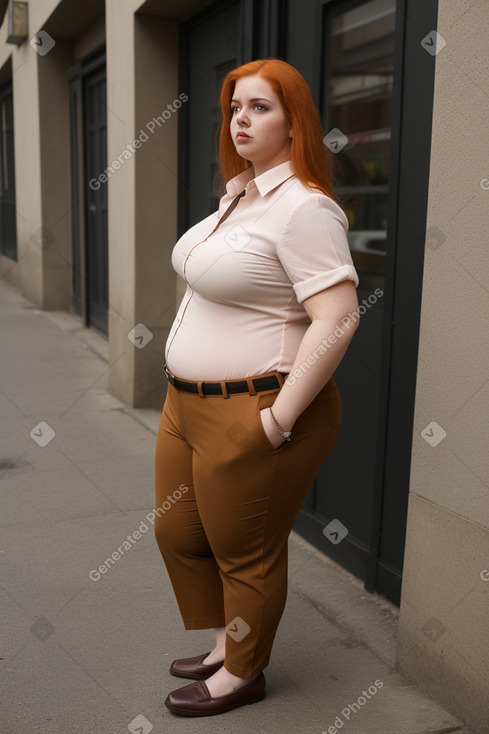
[[204, 623], [242, 672]]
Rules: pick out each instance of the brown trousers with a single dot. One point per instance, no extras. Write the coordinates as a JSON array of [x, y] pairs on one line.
[[228, 501]]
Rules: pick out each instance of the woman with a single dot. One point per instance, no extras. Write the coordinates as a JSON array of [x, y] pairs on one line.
[[252, 408]]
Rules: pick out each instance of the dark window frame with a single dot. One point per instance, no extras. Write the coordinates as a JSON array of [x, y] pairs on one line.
[[75, 76], [8, 222], [412, 109]]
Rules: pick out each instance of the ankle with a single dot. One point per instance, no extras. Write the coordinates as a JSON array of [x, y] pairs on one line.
[[215, 656]]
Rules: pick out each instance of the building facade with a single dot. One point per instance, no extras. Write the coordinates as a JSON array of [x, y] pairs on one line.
[[109, 117]]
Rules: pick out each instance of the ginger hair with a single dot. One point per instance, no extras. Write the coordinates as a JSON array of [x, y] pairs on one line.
[[309, 156]]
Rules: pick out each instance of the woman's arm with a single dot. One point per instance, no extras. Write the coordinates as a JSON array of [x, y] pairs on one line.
[[329, 313]]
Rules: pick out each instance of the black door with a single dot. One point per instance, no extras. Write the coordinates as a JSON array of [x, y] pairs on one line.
[[368, 75], [95, 140], [357, 96], [209, 49], [8, 228], [356, 106], [88, 136]]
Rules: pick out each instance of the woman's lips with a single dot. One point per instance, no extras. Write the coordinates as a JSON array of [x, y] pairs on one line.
[[242, 136]]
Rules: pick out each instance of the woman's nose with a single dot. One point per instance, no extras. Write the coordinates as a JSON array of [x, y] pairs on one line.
[[242, 117]]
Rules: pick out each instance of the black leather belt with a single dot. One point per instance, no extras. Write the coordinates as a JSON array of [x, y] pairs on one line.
[[227, 387]]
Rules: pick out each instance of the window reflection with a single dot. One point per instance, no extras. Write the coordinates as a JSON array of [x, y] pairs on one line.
[[358, 98]]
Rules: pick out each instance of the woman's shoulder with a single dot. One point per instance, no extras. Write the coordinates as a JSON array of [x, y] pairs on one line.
[[304, 200]]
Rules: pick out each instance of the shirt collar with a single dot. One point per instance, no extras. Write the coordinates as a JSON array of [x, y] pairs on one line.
[[264, 183]]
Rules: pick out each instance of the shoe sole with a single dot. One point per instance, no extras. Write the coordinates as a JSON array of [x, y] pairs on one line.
[[186, 712]]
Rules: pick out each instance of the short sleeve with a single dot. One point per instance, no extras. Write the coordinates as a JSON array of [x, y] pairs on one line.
[[313, 248]]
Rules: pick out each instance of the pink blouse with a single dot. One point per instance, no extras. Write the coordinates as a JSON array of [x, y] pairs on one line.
[[241, 314]]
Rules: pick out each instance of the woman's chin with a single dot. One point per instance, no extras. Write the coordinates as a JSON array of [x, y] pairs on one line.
[[245, 158]]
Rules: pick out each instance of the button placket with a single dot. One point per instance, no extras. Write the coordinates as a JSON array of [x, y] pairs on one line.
[[226, 214]]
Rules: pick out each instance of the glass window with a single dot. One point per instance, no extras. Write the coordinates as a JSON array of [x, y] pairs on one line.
[[358, 103]]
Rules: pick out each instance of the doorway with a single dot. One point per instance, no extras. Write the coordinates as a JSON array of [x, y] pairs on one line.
[[357, 112], [88, 122], [8, 226], [373, 83], [209, 49]]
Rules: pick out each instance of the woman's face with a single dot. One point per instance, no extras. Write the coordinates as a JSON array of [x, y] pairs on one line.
[[259, 127]]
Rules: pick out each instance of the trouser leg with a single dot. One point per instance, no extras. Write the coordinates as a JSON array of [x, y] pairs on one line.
[[191, 565], [248, 496]]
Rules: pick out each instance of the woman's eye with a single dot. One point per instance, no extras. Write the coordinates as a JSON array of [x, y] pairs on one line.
[[259, 107]]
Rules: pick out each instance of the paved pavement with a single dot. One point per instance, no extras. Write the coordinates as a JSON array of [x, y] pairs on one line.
[[89, 652]]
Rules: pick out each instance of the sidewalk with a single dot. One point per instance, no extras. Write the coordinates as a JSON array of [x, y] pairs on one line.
[[87, 651]]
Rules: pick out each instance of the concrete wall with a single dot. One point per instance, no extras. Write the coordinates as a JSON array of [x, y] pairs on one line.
[[142, 69], [26, 273], [142, 80], [43, 270], [444, 620]]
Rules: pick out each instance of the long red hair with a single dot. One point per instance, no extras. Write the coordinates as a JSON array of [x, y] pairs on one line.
[[308, 154]]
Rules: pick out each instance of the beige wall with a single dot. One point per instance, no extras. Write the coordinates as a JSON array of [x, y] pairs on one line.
[[142, 67], [55, 178], [43, 269], [142, 79], [444, 618], [28, 269]]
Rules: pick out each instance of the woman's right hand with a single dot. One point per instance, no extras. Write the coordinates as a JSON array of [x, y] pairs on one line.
[[273, 435]]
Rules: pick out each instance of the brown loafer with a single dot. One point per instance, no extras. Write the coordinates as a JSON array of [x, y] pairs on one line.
[[195, 699], [194, 668]]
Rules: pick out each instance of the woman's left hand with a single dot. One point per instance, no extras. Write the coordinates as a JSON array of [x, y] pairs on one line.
[[275, 438]]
